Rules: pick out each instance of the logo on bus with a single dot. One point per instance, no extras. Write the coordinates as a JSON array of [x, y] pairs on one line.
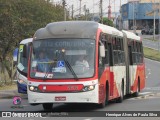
[[72, 87]]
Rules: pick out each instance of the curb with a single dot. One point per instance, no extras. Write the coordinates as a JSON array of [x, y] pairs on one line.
[[10, 94]]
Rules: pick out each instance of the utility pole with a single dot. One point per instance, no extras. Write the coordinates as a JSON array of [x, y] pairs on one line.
[[135, 5], [101, 8], [120, 23], [72, 12], [114, 8], [133, 18], [80, 7], [64, 8], [85, 12], [93, 6], [159, 27], [109, 11], [154, 11]]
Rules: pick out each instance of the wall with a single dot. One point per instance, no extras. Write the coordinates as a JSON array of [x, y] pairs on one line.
[[149, 1], [138, 11]]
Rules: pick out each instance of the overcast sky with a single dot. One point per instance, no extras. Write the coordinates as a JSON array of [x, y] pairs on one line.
[[93, 5]]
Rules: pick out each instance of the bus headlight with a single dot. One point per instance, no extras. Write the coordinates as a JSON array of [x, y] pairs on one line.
[[88, 88], [91, 87], [33, 88]]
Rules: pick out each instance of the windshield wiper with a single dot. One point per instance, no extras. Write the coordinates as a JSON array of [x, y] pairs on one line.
[[70, 68]]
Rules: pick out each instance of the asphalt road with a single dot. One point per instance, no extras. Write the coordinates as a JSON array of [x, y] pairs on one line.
[[148, 100], [149, 43]]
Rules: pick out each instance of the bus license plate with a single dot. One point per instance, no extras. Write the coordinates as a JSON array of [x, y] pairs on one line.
[[60, 98]]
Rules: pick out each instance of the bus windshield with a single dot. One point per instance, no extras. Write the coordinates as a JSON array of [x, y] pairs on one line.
[[62, 58], [22, 60]]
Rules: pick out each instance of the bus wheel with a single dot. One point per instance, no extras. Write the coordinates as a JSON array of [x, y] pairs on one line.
[[105, 102], [136, 94], [47, 106], [120, 99]]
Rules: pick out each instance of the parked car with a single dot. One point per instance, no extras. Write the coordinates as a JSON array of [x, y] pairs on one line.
[[147, 31]]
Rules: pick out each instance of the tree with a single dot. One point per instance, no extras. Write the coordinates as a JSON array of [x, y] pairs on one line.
[[19, 19], [108, 22]]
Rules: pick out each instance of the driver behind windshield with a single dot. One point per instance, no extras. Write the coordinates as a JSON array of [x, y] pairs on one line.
[[42, 62], [82, 61]]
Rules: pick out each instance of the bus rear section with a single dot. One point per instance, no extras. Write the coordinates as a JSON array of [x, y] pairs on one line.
[[135, 66]]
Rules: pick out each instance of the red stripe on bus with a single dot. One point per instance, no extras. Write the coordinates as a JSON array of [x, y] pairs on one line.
[[60, 88]]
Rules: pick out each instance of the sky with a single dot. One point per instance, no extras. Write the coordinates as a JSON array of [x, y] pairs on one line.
[[93, 5]]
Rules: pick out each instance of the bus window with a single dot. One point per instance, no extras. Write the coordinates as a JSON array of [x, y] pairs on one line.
[[22, 59], [62, 55]]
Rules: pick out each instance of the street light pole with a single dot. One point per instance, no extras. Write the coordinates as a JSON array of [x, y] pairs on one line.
[[64, 8], [154, 21], [159, 28], [133, 16], [101, 8], [80, 8]]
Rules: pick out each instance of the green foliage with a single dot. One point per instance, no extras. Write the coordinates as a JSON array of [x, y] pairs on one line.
[[108, 22], [19, 19]]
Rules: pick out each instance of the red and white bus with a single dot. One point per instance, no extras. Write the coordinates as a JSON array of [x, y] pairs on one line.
[[110, 64]]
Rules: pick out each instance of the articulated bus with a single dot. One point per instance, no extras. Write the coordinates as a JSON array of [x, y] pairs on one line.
[[22, 66], [113, 64]]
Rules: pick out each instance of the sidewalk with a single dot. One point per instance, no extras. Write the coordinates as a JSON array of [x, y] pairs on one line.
[[9, 93]]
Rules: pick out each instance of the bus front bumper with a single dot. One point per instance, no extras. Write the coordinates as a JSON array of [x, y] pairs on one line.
[[77, 97]]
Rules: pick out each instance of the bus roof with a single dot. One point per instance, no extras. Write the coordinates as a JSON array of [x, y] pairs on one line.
[[74, 29], [110, 30], [26, 41], [131, 35], [68, 29]]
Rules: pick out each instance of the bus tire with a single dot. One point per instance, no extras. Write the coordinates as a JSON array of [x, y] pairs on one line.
[[120, 99], [136, 94], [47, 106], [105, 102], [34, 104]]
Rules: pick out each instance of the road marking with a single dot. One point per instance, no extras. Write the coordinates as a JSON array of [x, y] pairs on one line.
[[152, 88], [88, 119], [144, 93], [25, 105], [148, 95], [148, 73]]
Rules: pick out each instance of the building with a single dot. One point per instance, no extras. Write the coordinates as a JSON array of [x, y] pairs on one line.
[[140, 13]]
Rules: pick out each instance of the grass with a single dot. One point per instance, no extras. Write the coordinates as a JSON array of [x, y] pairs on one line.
[[151, 53], [8, 87]]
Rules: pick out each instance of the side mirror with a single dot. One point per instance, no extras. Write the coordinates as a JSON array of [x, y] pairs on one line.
[[15, 56], [102, 50]]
